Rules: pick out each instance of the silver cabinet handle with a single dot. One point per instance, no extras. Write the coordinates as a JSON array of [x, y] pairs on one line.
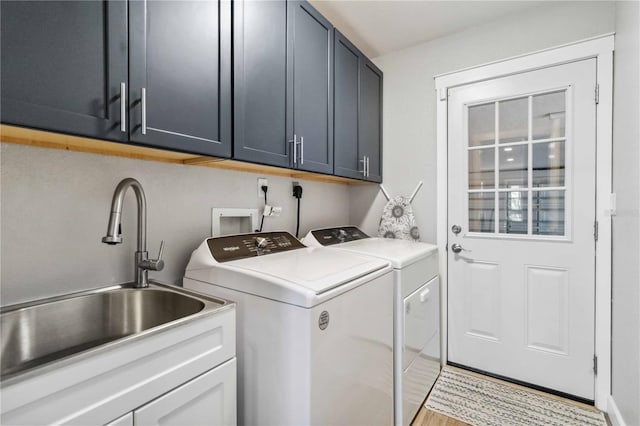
[[123, 107], [301, 150], [295, 149], [364, 166], [367, 165], [144, 111]]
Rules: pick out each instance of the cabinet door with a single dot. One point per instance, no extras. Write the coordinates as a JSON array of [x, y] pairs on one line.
[[310, 103], [348, 162], [370, 124], [63, 66], [209, 399], [260, 82], [180, 65]]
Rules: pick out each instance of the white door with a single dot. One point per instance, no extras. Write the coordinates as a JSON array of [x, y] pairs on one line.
[[522, 192]]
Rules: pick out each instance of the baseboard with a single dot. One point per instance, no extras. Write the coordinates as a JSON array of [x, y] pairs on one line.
[[614, 413]]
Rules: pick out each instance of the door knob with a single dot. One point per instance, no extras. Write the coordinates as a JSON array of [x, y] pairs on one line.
[[457, 248]]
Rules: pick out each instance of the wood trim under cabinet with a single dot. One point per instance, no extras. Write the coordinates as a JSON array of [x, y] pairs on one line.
[[44, 139]]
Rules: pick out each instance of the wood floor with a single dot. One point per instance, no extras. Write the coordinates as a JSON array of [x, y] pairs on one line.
[[431, 418], [427, 417]]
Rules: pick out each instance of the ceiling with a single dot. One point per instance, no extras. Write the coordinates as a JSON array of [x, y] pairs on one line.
[[379, 27]]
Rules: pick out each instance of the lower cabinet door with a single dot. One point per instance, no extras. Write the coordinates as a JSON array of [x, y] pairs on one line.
[[209, 399]]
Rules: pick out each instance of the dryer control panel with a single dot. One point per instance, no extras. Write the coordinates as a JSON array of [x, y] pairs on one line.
[[234, 247], [343, 234]]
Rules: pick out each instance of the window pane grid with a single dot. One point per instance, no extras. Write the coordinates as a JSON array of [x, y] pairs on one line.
[[504, 145], [496, 162], [525, 201], [530, 168], [515, 144], [537, 189]]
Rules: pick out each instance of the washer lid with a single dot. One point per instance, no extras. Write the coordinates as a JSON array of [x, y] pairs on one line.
[[313, 269], [400, 253], [302, 276]]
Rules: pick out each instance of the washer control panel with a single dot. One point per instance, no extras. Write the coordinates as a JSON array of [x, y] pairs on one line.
[[234, 247], [330, 236]]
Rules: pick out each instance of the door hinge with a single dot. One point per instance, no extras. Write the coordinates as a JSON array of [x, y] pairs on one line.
[[597, 94], [595, 365], [446, 247], [595, 230]]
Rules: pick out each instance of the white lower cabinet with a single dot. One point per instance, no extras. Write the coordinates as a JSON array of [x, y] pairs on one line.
[[209, 399], [183, 375]]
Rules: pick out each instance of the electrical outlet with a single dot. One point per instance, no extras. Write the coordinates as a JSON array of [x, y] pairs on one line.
[[262, 182], [272, 211], [296, 190], [294, 184]]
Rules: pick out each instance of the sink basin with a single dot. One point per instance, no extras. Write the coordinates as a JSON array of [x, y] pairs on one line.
[[38, 334]]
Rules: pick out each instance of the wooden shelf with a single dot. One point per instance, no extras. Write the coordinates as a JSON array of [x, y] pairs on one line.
[[39, 138]]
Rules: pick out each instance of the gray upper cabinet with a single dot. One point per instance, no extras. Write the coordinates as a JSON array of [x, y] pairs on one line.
[[370, 121], [260, 82], [282, 85], [348, 161], [64, 66], [357, 113], [268, 82], [180, 75], [310, 87]]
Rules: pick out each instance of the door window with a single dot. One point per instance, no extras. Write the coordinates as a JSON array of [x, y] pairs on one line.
[[517, 150]]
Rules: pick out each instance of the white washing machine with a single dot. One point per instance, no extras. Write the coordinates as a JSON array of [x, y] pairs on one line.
[[416, 312], [314, 328]]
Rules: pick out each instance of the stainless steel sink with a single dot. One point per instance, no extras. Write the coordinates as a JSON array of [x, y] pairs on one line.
[[33, 335]]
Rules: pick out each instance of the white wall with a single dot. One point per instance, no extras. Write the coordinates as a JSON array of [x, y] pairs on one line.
[[410, 102], [626, 224], [55, 208]]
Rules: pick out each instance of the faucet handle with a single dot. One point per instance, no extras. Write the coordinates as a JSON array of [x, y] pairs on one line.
[[154, 264], [161, 251]]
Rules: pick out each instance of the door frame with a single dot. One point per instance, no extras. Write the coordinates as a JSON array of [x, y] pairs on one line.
[[601, 48]]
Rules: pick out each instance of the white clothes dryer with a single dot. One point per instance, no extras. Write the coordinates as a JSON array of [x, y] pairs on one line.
[[416, 309], [314, 328]]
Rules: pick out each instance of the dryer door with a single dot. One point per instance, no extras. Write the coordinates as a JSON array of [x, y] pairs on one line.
[[421, 320]]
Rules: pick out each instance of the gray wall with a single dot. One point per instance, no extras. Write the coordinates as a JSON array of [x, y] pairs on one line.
[[410, 102], [55, 207], [626, 224]]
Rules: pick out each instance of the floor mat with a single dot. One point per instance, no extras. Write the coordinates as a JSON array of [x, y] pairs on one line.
[[484, 402]]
